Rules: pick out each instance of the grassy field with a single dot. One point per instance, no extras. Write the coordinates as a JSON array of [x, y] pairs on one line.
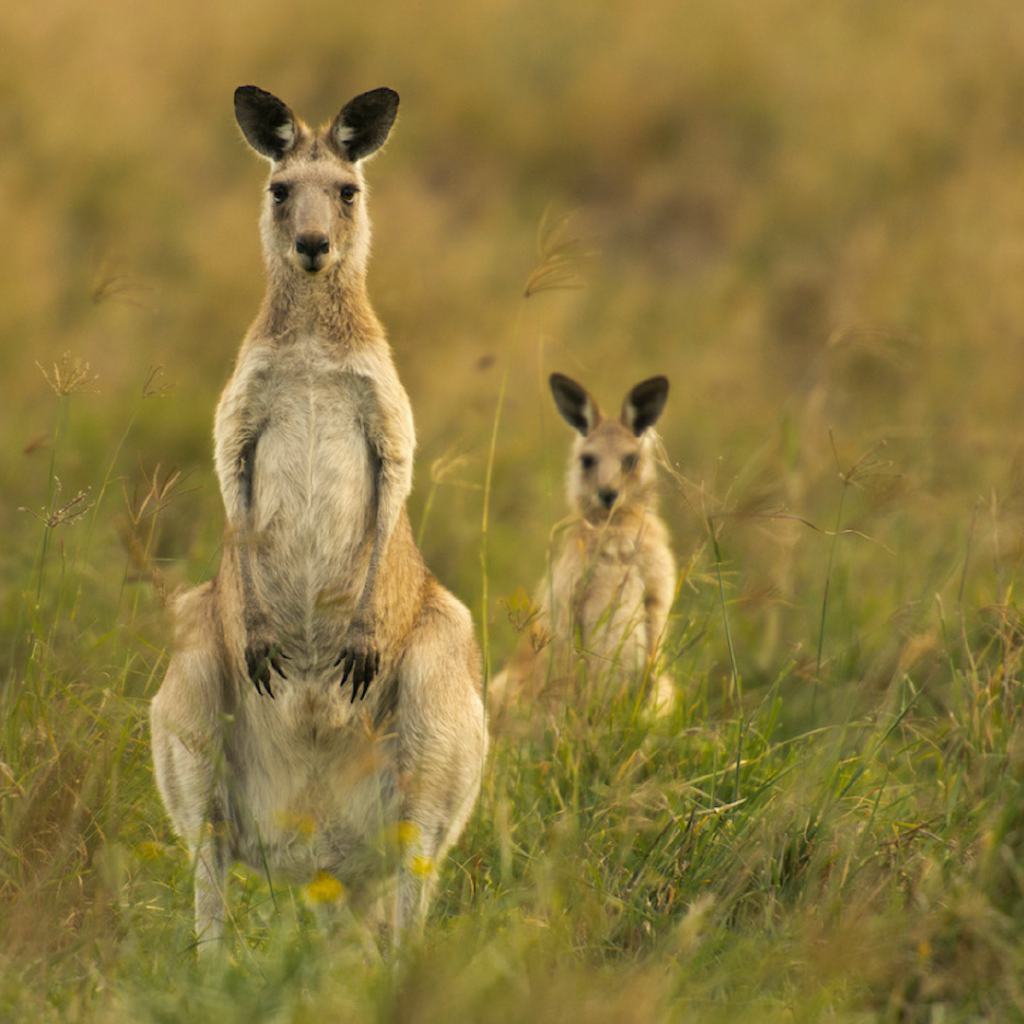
[[811, 219]]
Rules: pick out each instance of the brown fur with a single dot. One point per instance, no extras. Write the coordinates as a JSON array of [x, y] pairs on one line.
[[262, 752]]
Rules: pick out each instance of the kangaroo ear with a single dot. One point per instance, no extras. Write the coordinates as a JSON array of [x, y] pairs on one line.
[[363, 125], [644, 404], [268, 125], [575, 404]]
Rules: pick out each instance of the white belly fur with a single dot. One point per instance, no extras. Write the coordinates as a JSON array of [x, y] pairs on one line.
[[312, 501], [308, 804]]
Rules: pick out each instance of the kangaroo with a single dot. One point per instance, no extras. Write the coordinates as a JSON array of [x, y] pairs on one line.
[[321, 711], [602, 611]]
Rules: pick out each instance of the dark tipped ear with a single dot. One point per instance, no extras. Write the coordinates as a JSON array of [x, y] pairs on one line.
[[575, 404], [267, 124], [644, 404], [363, 125]]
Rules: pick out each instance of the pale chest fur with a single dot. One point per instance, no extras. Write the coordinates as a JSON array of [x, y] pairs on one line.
[[605, 583], [307, 486]]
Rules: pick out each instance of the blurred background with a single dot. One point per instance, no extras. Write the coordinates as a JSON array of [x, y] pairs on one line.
[[809, 216]]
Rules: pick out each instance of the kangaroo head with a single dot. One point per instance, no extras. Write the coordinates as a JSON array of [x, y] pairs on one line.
[[608, 468], [314, 217]]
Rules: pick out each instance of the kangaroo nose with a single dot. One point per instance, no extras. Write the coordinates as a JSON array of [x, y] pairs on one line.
[[607, 496], [311, 246]]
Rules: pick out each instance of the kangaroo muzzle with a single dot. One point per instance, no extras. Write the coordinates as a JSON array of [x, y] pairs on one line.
[[312, 248]]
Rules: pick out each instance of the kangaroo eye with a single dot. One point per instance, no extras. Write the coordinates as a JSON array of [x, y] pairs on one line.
[[629, 462], [587, 461], [280, 193], [348, 194]]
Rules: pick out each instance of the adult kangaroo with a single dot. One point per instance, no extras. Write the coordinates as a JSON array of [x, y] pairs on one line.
[[321, 710]]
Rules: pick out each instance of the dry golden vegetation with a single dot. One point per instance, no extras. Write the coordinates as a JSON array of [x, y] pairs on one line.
[[811, 219]]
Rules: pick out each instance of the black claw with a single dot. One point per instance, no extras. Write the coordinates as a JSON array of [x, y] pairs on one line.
[[277, 656], [264, 680], [259, 666], [361, 668]]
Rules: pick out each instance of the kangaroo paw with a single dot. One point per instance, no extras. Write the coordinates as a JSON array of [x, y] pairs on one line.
[[262, 659], [361, 663]]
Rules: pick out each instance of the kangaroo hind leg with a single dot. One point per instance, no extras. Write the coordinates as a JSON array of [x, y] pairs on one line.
[[442, 743], [188, 752]]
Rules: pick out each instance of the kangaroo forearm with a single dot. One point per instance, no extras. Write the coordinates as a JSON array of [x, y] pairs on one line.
[[237, 573], [390, 486], [657, 605]]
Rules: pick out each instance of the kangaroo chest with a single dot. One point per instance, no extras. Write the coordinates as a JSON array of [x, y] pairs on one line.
[[312, 469], [312, 484], [599, 588]]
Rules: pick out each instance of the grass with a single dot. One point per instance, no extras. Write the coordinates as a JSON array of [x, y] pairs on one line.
[[810, 220]]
